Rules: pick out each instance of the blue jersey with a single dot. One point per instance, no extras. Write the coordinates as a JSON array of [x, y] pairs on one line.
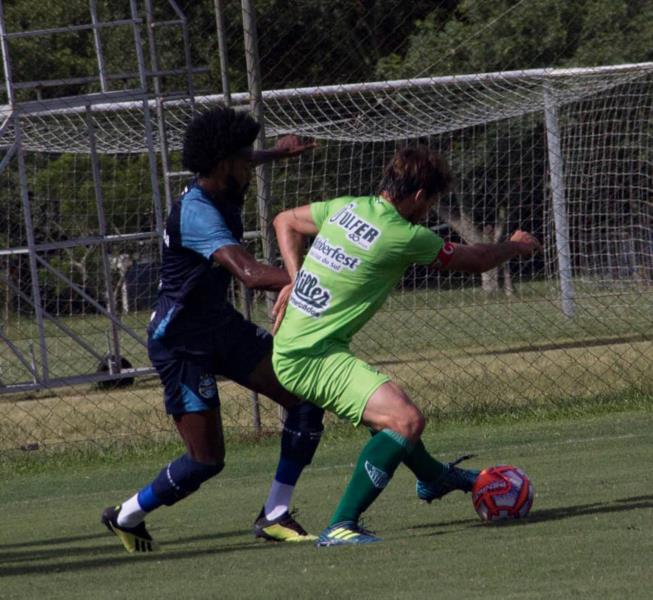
[[193, 288]]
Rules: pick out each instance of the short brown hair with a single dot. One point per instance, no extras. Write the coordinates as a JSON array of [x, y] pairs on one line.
[[414, 168]]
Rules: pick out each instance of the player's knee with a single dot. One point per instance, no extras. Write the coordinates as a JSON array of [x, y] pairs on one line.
[[182, 477], [301, 433], [410, 423]]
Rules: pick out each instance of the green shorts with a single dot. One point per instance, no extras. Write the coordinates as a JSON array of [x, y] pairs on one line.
[[337, 381]]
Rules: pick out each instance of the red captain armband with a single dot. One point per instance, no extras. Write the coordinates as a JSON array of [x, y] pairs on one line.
[[444, 256]]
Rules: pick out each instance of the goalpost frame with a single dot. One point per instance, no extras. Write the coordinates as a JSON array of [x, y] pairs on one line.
[[561, 221]]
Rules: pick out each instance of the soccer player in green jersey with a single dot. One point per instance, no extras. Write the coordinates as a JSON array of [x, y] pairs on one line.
[[361, 249]]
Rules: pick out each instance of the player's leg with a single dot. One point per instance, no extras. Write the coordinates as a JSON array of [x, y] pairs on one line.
[[398, 425], [436, 479], [204, 458], [300, 436], [191, 397], [342, 384]]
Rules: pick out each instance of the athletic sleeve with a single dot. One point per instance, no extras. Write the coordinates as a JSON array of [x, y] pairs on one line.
[[321, 210], [203, 229], [425, 246]]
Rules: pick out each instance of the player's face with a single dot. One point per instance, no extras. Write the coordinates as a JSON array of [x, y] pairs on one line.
[[241, 171]]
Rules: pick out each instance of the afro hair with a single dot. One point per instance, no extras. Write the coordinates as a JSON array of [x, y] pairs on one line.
[[215, 135]]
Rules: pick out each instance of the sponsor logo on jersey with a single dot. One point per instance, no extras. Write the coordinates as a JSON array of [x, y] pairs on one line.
[[308, 295], [378, 477], [359, 231], [206, 386], [332, 257]]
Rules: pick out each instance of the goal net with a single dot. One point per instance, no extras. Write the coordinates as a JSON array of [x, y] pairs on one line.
[[565, 154]]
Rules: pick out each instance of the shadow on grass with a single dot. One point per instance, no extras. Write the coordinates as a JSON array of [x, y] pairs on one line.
[[113, 556], [553, 514], [57, 547], [102, 533]]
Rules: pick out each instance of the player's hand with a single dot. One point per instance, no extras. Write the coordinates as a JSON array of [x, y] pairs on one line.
[[529, 242], [291, 145], [279, 308]]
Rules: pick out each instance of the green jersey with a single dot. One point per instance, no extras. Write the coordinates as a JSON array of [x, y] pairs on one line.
[[360, 253]]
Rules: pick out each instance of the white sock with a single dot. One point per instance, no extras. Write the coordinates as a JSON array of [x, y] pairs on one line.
[[131, 513], [278, 500]]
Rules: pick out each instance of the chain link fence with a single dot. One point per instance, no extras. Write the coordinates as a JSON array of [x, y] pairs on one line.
[[90, 162]]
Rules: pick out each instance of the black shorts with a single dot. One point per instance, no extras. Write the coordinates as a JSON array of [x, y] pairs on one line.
[[187, 363]]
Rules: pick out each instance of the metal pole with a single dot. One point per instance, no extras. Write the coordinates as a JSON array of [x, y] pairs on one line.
[[31, 243], [187, 54], [263, 172], [160, 116], [149, 139], [6, 61], [98, 45], [102, 223], [222, 50], [245, 294], [559, 203]]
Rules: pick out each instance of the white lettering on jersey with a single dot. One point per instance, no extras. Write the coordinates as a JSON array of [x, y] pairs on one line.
[[359, 231], [332, 257], [308, 295]]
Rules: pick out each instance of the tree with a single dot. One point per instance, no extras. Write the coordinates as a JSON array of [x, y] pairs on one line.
[[508, 35]]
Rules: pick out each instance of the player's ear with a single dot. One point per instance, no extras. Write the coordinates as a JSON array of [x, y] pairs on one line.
[[420, 196]]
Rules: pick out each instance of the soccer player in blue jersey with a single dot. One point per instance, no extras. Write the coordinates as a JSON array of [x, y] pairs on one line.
[[195, 333]]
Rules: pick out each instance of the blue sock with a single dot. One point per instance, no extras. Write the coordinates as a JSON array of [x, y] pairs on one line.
[[148, 499], [288, 471], [177, 480]]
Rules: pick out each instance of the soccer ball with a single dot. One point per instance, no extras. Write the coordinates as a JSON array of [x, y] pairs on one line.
[[502, 493]]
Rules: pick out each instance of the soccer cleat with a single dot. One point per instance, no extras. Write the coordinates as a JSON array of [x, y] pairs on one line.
[[452, 479], [345, 533], [282, 529], [134, 539]]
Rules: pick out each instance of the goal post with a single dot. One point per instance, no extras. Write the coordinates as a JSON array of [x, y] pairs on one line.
[[565, 153]]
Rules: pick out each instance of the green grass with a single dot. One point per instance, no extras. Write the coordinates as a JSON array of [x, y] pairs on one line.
[[412, 324], [589, 534], [456, 352]]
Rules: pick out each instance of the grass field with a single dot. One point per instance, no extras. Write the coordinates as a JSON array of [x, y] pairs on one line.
[[588, 536], [454, 351]]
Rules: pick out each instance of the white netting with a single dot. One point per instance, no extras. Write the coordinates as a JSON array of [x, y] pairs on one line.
[[357, 113], [454, 344]]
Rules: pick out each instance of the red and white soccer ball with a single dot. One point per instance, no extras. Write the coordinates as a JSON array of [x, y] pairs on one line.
[[502, 493]]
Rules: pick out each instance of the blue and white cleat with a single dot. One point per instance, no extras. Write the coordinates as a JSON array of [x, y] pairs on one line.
[[345, 533], [453, 478]]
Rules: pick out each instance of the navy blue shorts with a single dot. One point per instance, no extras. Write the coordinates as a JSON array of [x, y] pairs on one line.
[[187, 363]]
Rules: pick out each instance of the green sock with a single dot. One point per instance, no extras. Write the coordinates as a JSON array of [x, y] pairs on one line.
[[376, 465], [420, 462]]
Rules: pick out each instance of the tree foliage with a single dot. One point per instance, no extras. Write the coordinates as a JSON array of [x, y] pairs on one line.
[[505, 34]]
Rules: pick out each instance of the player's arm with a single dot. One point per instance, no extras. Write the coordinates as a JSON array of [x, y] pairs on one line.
[[243, 266], [478, 258], [286, 147], [291, 226]]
